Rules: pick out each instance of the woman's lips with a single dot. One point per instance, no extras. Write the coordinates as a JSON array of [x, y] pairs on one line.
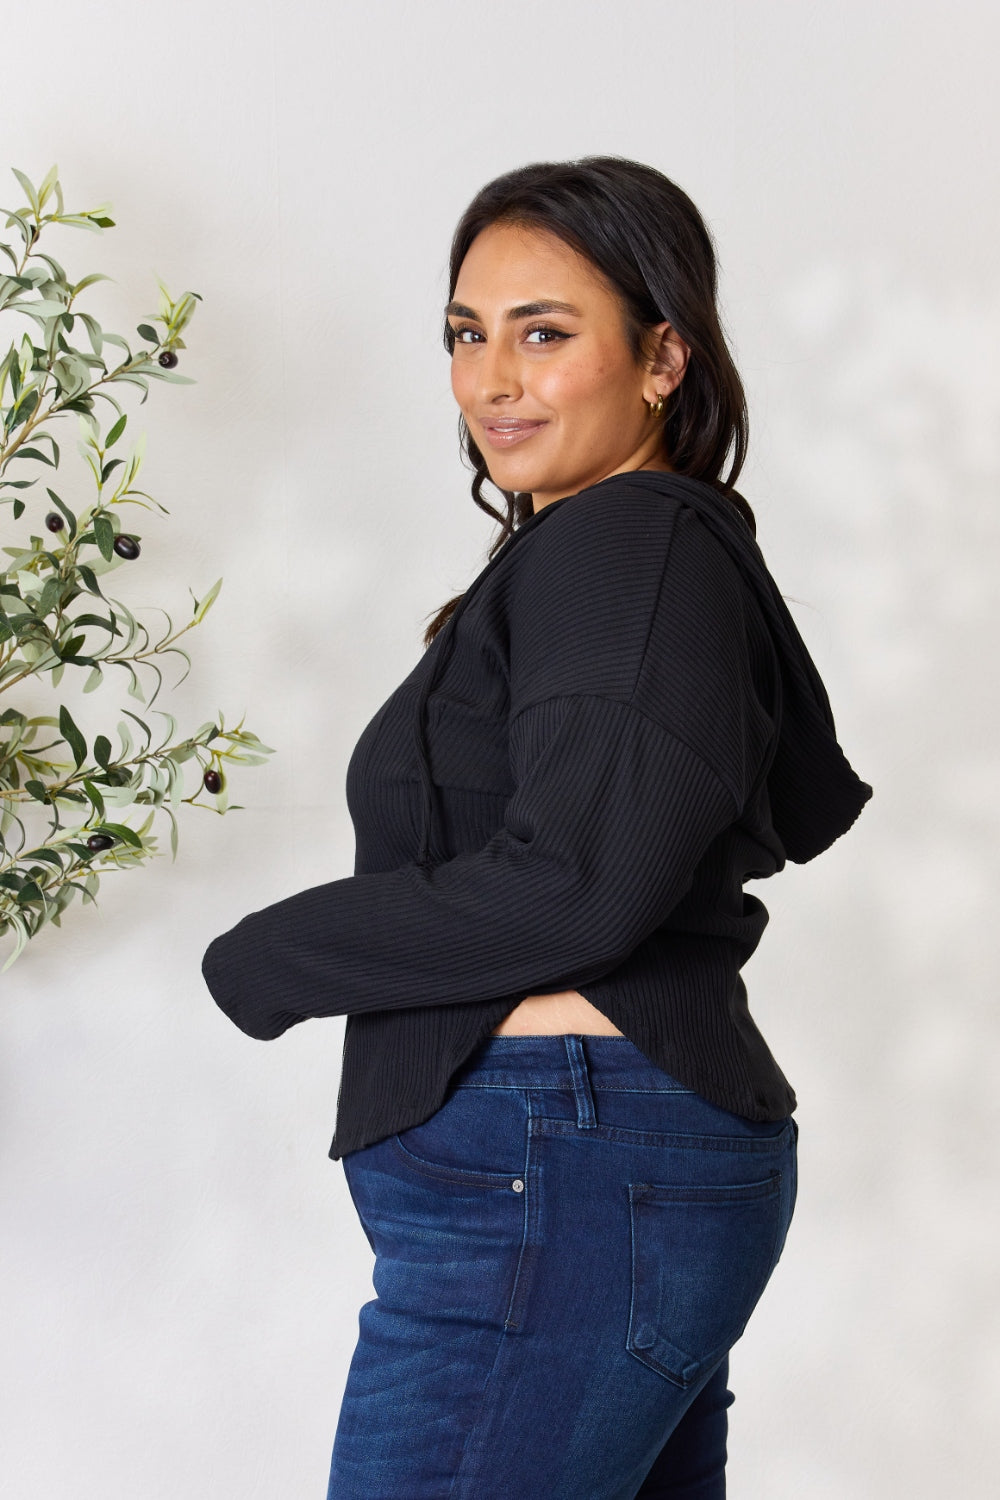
[[507, 434]]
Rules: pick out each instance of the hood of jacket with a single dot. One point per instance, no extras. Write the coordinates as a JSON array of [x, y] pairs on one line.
[[815, 795]]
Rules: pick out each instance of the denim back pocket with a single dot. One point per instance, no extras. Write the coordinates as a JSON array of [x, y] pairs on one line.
[[701, 1257]]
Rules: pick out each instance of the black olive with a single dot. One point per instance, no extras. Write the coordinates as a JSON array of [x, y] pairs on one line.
[[213, 781], [168, 359], [99, 841], [54, 521], [127, 547]]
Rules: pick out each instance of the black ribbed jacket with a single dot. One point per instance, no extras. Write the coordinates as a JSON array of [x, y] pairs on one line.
[[617, 727]]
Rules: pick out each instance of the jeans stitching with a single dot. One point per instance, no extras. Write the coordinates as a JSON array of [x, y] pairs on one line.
[[526, 1254], [460, 1175], [760, 1145]]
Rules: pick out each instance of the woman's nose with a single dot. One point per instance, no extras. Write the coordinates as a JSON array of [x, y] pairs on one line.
[[499, 374]]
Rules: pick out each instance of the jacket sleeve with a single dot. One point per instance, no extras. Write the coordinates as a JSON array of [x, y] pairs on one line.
[[611, 813]]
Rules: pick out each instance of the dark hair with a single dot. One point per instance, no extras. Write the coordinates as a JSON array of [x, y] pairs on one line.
[[650, 242]]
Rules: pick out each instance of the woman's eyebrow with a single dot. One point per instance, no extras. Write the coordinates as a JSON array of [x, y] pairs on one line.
[[526, 310]]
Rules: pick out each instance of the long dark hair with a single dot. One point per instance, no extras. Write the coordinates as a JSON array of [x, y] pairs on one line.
[[648, 239]]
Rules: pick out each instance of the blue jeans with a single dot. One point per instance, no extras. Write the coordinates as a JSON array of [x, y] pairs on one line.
[[564, 1254]]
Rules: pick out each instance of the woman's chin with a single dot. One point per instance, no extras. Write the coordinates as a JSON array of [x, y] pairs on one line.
[[507, 476], [514, 472]]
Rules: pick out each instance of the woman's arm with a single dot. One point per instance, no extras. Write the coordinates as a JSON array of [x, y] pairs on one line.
[[600, 841]]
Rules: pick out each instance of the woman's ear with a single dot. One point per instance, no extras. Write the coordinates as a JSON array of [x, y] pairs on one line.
[[669, 360]]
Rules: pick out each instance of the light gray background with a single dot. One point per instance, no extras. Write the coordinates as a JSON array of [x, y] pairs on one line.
[[180, 1264]]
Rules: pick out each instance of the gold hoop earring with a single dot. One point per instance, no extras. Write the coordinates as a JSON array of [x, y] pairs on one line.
[[655, 407]]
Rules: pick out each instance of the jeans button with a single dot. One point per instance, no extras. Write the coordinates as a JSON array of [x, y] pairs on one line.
[[517, 1185]]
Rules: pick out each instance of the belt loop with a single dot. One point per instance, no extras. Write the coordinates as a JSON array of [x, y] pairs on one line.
[[577, 1058]]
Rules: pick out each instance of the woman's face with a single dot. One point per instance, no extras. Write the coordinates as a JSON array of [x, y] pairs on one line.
[[542, 369]]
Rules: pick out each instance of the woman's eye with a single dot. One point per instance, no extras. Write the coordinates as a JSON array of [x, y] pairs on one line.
[[548, 334], [541, 334]]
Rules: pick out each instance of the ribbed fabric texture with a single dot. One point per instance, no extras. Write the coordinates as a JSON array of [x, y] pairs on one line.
[[567, 792]]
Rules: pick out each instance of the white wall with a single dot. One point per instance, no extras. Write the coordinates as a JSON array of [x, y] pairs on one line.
[[180, 1265]]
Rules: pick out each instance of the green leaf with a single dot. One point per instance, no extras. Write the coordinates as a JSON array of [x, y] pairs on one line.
[[104, 533], [94, 680], [141, 723], [72, 736], [70, 517], [70, 650], [48, 855], [18, 926], [102, 750], [121, 831], [72, 374], [99, 621], [48, 599], [48, 183], [42, 310], [90, 579], [37, 790], [126, 740], [146, 332], [28, 188], [34, 453], [116, 431], [79, 221], [171, 376], [58, 274], [94, 332], [138, 380], [89, 281], [22, 411], [96, 799], [27, 230], [202, 606]]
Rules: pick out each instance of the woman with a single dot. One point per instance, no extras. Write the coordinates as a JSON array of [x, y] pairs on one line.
[[568, 1144]]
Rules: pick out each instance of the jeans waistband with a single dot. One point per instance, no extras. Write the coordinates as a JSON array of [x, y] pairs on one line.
[[575, 1061]]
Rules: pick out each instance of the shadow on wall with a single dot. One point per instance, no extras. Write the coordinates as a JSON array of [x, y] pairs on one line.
[[884, 434], [882, 458]]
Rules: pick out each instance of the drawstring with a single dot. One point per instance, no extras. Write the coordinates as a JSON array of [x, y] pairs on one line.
[[445, 640], [424, 856]]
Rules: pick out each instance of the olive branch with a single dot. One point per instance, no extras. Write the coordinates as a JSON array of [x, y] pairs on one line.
[[64, 804]]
